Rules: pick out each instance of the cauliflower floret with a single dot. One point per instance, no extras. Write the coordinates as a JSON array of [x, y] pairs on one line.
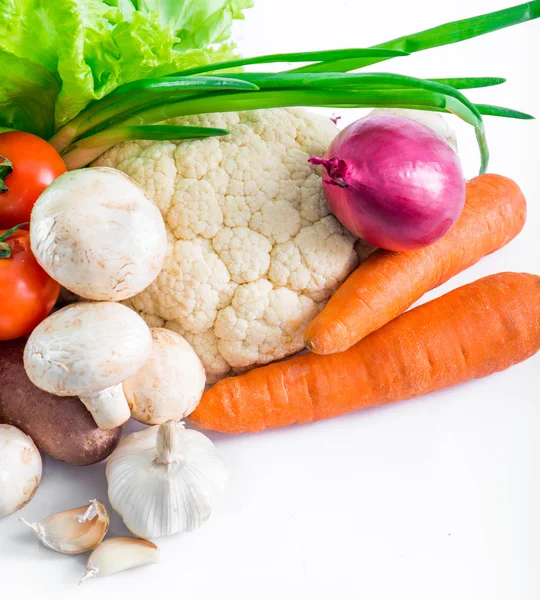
[[307, 263], [193, 285], [245, 253], [258, 317], [277, 221], [194, 210], [254, 252]]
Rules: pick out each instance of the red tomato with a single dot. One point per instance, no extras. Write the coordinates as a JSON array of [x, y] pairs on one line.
[[27, 293], [35, 165]]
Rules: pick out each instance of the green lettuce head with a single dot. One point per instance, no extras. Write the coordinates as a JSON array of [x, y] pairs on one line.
[[57, 57]]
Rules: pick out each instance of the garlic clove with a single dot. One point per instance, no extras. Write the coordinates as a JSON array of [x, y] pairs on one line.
[[120, 554], [73, 531]]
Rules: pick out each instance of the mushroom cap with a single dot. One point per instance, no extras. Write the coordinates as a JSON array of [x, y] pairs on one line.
[[20, 469], [97, 234], [87, 347], [171, 382]]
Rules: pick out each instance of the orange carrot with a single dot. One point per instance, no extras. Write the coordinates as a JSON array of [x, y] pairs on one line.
[[471, 332], [388, 283]]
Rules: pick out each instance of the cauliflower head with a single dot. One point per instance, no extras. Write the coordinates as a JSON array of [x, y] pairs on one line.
[[254, 253]]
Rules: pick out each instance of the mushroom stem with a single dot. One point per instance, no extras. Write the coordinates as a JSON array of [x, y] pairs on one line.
[[109, 407], [167, 444]]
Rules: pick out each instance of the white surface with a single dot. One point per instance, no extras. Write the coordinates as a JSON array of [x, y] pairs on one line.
[[431, 499]]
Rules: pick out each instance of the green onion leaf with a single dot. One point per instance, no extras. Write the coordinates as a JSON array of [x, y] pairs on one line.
[[470, 83], [88, 149], [133, 96], [202, 83], [324, 55], [290, 79], [449, 33], [455, 102], [501, 111], [115, 135]]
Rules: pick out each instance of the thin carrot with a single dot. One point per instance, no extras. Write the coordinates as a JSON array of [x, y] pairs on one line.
[[388, 283], [471, 332]]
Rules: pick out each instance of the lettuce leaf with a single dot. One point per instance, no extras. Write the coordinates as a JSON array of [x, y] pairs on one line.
[[57, 57], [196, 23], [28, 93]]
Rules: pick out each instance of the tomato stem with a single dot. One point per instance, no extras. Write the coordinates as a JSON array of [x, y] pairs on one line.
[[5, 248], [6, 168]]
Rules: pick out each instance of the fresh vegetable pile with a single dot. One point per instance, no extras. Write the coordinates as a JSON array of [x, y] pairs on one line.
[[202, 224]]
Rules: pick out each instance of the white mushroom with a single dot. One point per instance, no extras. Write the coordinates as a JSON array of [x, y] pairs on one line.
[[95, 232], [20, 469], [88, 349], [171, 383]]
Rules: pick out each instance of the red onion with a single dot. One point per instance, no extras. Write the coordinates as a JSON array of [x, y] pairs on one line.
[[393, 182]]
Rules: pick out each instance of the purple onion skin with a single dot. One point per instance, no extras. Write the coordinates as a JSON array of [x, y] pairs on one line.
[[393, 182]]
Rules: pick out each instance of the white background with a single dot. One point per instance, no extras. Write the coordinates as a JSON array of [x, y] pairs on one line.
[[432, 499]]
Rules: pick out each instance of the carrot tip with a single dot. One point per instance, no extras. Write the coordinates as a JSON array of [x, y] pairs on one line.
[[310, 345], [316, 348]]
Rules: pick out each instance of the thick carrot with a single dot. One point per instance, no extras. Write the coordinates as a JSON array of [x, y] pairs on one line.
[[388, 283], [471, 332]]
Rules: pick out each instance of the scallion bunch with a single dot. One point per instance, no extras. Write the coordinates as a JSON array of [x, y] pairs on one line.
[[140, 109]]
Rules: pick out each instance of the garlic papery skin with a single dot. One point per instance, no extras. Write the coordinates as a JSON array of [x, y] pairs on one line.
[[73, 531], [120, 554], [20, 469], [165, 480]]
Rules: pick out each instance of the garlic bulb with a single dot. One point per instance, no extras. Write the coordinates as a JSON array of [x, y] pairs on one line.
[[20, 469], [165, 480], [120, 554], [73, 531]]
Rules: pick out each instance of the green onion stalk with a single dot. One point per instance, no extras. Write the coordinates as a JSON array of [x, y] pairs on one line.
[[141, 109]]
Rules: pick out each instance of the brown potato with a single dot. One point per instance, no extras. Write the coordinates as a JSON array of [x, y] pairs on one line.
[[61, 427]]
